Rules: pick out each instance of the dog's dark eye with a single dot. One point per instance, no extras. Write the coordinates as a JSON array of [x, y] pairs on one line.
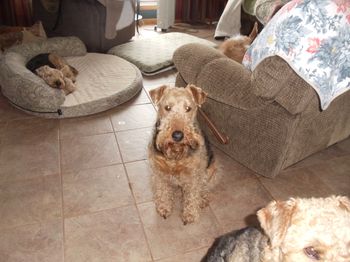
[[188, 108], [312, 253], [167, 108]]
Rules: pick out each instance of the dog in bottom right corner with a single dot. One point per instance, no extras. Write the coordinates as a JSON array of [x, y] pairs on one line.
[[296, 230]]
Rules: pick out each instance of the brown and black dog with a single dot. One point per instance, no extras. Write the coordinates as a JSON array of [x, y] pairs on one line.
[[55, 71]]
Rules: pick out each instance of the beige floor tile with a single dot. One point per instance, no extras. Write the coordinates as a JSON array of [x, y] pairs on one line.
[[80, 153], [85, 126], [169, 237], [236, 198], [131, 117], [139, 175], [192, 256], [335, 174], [95, 190], [296, 183], [34, 243], [30, 201], [3, 125], [237, 195], [30, 131], [23, 161], [111, 235], [8, 112], [133, 144], [321, 157], [345, 145]]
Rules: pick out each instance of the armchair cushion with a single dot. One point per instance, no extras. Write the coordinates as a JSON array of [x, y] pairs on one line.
[[210, 69], [192, 57]]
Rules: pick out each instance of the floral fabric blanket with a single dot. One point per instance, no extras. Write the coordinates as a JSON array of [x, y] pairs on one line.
[[313, 36]]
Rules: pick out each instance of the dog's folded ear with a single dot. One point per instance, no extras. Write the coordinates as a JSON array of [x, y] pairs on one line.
[[198, 94], [157, 93], [275, 219]]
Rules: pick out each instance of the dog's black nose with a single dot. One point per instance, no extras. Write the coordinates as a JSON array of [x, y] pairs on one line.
[[58, 83], [177, 136]]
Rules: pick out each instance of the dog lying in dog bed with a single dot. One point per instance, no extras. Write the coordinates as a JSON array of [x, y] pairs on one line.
[[55, 71], [104, 81]]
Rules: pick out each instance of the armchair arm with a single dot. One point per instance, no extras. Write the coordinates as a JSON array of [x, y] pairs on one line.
[[63, 46], [229, 82], [190, 59], [223, 79], [274, 80]]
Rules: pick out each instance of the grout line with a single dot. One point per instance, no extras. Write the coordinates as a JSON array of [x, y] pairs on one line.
[[137, 128], [220, 227], [88, 213], [91, 168], [30, 224], [62, 196], [79, 135], [105, 133], [265, 189], [138, 213]]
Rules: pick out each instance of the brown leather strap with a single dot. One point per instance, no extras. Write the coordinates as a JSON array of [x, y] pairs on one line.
[[222, 138]]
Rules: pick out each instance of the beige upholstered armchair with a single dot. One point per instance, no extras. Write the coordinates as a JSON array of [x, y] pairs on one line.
[[271, 115]]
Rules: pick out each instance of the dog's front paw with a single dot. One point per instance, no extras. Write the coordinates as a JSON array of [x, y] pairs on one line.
[[189, 217], [163, 211]]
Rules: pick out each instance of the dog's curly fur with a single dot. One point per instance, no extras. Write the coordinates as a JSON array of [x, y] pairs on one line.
[[296, 230], [179, 154], [307, 229], [55, 78]]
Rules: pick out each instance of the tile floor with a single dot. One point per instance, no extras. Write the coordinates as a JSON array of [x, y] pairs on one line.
[[79, 189]]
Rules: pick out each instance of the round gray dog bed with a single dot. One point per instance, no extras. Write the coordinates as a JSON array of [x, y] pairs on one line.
[[104, 81]]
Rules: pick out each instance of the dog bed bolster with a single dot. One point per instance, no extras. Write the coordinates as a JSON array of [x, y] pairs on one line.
[[62, 46], [24, 89]]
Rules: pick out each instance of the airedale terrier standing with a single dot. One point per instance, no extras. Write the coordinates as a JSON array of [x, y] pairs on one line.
[[179, 154]]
